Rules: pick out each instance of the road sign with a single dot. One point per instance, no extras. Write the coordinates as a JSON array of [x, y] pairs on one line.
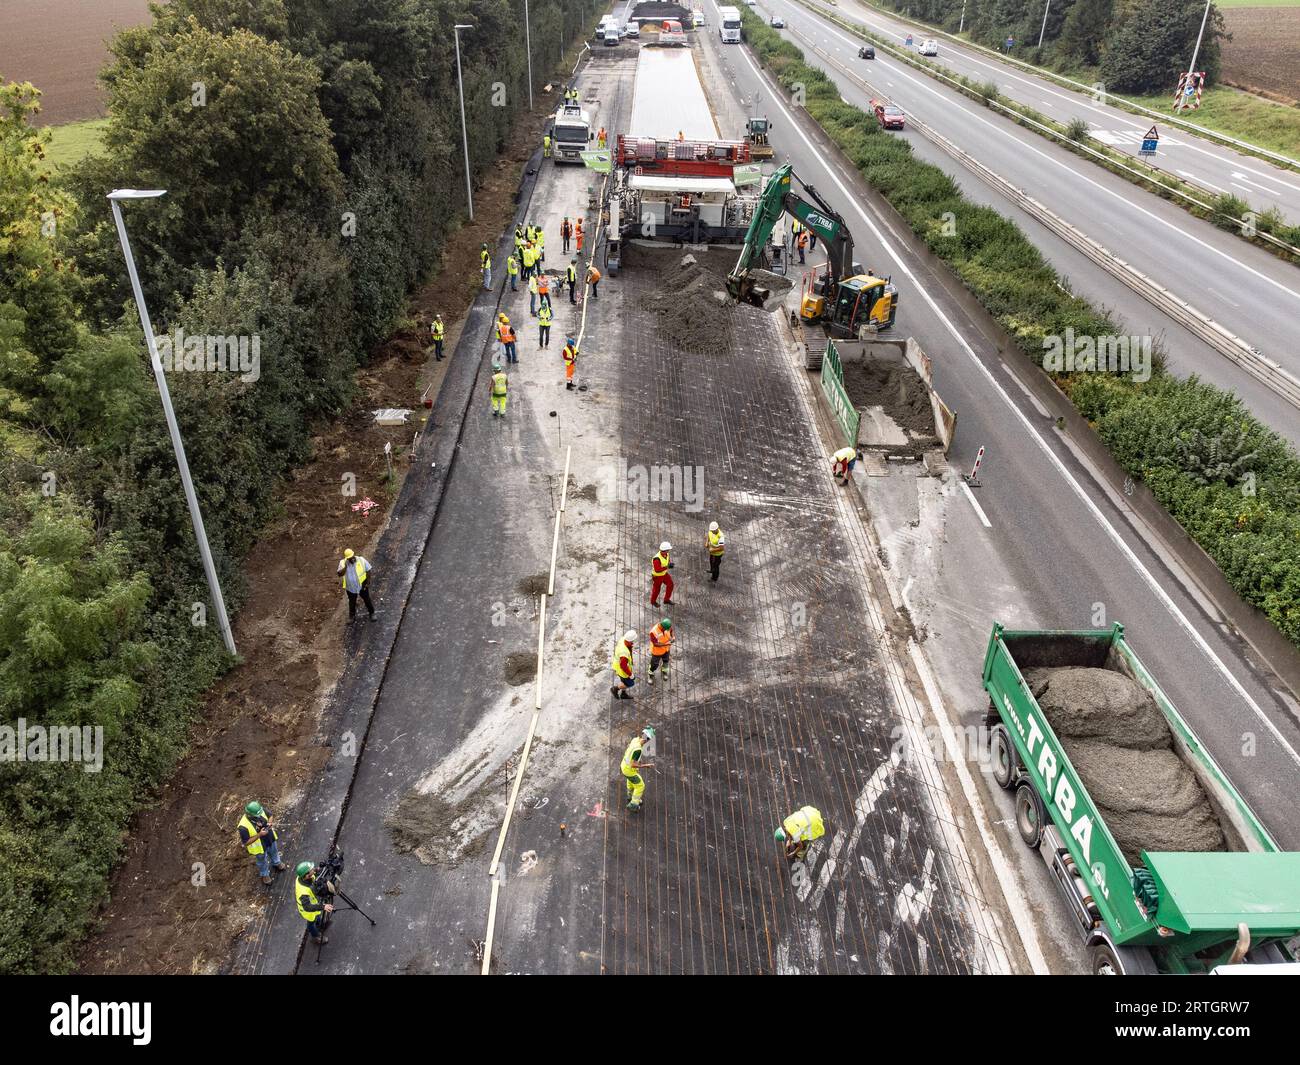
[[1150, 142]]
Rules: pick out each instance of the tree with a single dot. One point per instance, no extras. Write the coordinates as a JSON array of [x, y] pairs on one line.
[[1151, 42], [1084, 31]]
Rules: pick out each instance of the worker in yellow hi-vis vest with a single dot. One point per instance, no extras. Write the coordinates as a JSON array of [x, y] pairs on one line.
[[798, 830], [717, 545], [500, 386], [632, 767], [624, 666]]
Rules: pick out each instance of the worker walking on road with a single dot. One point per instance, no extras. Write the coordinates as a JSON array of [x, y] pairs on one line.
[[624, 666], [798, 830], [577, 233], [632, 767], [500, 386], [485, 263], [544, 326], [571, 276], [546, 145], [566, 233], [717, 545], [258, 837], [593, 279], [659, 578], [439, 333], [570, 356], [661, 646], [355, 571], [310, 908], [842, 463]]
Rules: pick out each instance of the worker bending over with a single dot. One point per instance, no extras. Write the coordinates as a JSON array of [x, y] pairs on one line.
[[842, 463], [798, 830], [624, 666]]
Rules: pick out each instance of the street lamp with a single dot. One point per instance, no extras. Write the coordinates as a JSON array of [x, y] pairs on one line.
[[115, 199], [1196, 52], [528, 47], [1047, 7], [464, 131]]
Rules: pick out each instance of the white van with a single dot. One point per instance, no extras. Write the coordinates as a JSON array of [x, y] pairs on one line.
[[611, 36], [634, 29]]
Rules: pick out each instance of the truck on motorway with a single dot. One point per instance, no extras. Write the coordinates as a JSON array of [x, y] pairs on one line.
[[1229, 904], [729, 25], [570, 133]]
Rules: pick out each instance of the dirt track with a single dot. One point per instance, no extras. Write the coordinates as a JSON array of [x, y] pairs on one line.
[[59, 46]]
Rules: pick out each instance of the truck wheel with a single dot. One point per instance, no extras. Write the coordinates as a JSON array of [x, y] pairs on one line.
[[1029, 815], [1003, 756], [1104, 961]]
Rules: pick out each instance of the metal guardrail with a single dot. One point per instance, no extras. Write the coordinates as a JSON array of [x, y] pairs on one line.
[[833, 387], [1280, 381]]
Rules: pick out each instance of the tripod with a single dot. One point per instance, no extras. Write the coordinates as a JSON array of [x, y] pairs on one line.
[[338, 893]]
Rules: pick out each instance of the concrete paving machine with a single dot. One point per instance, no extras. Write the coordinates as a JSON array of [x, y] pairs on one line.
[[847, 301]]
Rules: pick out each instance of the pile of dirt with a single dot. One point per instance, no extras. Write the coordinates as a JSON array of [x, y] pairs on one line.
[[691, 307], [1120, 744], [896, 388]]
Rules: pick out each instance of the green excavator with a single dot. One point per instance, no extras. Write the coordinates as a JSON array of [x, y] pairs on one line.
[[844, 299]]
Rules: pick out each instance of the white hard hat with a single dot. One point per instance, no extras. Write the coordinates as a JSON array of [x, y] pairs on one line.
[[665, 546], [713, 526], [630, 636]]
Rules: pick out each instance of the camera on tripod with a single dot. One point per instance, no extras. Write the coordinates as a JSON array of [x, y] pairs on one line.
[[328, 875]]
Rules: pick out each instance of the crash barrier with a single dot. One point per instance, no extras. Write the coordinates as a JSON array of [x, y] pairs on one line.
[[842, 409]]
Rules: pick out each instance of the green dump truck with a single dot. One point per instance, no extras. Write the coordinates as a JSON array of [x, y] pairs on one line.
[[1223, 896]]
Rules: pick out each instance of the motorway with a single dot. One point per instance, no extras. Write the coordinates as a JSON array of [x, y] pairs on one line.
[[1202, 160], [1250, 292], [1045, 543]]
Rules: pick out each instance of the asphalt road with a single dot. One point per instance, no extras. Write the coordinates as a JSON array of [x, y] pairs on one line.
[[1049, 546], [1203, 160], [1249, 291]]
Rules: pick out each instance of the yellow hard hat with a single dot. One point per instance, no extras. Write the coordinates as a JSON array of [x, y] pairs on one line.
[[347, 553]]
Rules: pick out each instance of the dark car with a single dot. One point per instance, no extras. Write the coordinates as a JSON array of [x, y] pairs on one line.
[[867, 51]]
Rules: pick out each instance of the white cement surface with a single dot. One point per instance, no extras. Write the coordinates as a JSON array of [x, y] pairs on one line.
[[669, 97]]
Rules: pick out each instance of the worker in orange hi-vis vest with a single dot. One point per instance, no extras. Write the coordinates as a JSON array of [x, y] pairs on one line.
[[570, 355], [659, 578], [593, 279], [577, 233], [661, 645], [600, 138]]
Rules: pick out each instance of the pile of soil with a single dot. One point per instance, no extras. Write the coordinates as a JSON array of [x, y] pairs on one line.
[[1120, 744], [893, 386], [691, 307]]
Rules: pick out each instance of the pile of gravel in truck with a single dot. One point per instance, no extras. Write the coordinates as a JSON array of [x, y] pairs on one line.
[[1120, 744]]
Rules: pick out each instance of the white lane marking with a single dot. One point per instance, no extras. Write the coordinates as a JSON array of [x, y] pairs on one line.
[[952, 105], [1202, 181], [1116, 538], [1271, 192], [1111, 113], [979, 510], [1025, 388]]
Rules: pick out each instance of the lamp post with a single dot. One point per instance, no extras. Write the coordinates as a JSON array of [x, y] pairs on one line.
[[196, 516], [1196, 52], [962, 27], [528, 47], [1046, 8], [464, 131]]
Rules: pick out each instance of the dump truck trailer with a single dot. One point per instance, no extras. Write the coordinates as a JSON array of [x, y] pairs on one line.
[[1166, 912]]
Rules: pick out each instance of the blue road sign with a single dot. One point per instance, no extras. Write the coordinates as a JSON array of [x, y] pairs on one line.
[[1151, 141]]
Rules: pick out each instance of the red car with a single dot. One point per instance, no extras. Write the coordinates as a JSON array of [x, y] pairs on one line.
[[890, 116]]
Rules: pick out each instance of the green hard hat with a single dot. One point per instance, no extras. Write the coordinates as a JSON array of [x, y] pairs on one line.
[[667, 623], [648, 732], [496, 367], [779, 835], [254, 809], [303, 868]]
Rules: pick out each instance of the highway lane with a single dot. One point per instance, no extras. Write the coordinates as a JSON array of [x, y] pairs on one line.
[[1058, 546], [1252, 293], [1203, 160]]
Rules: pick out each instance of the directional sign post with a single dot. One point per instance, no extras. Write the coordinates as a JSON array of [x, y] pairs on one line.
[[1150, 142]]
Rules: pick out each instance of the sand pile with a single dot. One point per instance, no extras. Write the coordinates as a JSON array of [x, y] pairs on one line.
[[1120, 744], [893, 386], [691, 307]]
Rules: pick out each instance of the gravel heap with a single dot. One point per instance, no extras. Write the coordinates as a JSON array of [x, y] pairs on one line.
[[691, 306]]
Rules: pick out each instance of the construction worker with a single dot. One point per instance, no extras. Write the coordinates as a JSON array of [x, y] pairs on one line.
[[593, 279], [624, 666], [571, 276], [577, 233], [632, 766], [566, 233], [258, 837], [570, 355], [519, 242], [485, 262], [439, 332], [533, 288], [508, 340], [546, 145], [530, 258], [842, 463], [717, 544], [499, 326], [661, 646], [310, 908], [539, 240], [512, 271], [798, 830], [659, 577], [544, 326], [355, 570], [600, 138], [500, 386], [543, 289], [801, 242]]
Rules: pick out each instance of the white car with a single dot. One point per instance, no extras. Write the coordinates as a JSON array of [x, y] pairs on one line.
[[930, 47], [633, 29], [777, 23]]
